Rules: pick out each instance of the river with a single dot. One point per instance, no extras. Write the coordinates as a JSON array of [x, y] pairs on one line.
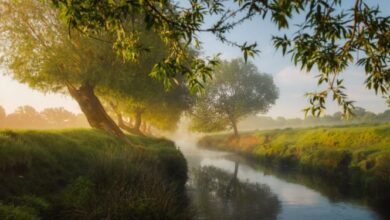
[[224, 186]]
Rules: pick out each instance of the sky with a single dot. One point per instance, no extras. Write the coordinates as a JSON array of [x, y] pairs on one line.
[[291, 81]]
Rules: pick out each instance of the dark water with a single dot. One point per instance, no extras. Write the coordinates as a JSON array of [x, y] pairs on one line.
[[224, 186]]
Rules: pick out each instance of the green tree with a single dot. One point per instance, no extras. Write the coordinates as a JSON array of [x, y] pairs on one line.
[[238, 90], [334, 35], [41, 51], [2, 115], [25, 117], [149, 102], [385, 116], [58, 117]]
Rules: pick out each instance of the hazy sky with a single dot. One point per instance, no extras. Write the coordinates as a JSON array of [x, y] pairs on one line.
[[291, 81]]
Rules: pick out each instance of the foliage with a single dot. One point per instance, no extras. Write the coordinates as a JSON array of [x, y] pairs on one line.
[[329, 38], [46, 55], [159, 108], [24, 116], [41, 53], [86, 174], [2, 113], [61, 118], [361, 115], [17, 213], [27, 117], [237, 90]]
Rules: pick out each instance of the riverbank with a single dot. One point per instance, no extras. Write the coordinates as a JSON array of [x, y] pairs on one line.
[[86, 174], [356, 157]]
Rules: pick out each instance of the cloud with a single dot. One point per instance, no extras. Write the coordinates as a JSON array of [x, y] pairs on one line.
[[294, 77], [294, 83]]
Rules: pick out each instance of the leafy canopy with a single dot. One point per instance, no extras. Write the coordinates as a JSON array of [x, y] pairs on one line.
[[238, 90], [40, 52], [333, 35], [159, 107]]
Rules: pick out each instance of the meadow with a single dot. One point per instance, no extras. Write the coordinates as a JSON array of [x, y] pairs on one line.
[[87, 174]]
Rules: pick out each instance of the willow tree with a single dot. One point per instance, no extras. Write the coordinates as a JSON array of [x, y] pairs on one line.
[[333, 35], [40, 50], [238, 90], [149, 103], [166, 111]]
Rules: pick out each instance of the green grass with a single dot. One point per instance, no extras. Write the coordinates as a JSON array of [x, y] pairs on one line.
[[359, 155], [86, 174]]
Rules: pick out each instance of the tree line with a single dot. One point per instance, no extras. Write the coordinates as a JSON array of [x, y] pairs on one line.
[[27, 117], [361, 116]]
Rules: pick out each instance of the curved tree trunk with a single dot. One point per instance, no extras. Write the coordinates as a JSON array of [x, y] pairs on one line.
[[138, 118], [94, 111], [122, 124], [130, 129], [149, 129], [143, 127]]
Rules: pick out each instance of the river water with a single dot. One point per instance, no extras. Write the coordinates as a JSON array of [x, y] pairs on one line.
[[224, 186]]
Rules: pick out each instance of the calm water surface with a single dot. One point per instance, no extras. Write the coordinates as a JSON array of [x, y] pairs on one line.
[[222, 186]]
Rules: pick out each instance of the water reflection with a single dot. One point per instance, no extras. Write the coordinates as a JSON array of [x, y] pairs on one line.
[[296, 196], [217, 194], [297, 201]]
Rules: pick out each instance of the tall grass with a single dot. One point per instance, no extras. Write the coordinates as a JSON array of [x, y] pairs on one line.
[[85, 174]]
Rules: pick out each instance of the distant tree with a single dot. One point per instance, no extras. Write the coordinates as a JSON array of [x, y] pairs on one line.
[[80, 121], [58, 117], [337, 115], [281, 121], [2, 115], [25, 117], [295, 121], [359, 112], [238, 90], [385, 116], [149, 102], [361, 115]]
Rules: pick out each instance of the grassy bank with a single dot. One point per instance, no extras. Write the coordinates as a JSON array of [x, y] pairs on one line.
[[85, 174], [357, 156]]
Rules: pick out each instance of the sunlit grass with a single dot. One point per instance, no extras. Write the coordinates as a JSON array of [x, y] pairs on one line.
[[86, 174]]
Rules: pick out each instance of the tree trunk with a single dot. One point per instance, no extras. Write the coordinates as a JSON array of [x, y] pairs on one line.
[[149, 129], [122, 124], [144, 127], [138, 118], [94, 111], [234, 125], [130, 122]]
